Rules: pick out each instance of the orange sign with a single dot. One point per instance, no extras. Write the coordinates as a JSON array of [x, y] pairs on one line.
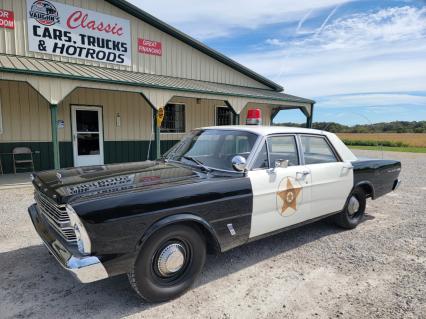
[[160, 116]]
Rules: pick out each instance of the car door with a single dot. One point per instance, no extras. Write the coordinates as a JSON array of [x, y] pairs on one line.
[[331, 178], [281, 195]]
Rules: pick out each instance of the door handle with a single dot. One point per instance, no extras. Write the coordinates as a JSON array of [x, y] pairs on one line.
[[302, 174]]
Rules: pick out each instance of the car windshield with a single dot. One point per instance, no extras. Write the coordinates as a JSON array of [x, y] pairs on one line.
[[212, 148]]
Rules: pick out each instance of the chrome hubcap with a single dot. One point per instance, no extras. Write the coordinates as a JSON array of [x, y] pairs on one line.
[[353, 205], [171, 259]]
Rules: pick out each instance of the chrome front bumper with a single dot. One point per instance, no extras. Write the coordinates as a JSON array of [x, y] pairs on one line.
[[85, 268]]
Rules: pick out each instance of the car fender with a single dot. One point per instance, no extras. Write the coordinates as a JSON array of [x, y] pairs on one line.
[[181, 218], [363, 184]]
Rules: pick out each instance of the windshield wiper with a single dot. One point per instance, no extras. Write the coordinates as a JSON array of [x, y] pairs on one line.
[[199, 163]]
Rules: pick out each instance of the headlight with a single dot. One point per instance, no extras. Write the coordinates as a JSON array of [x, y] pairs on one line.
[[83, 239]]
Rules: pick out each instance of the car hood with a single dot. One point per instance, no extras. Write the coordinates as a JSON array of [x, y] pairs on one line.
[[61, 185]]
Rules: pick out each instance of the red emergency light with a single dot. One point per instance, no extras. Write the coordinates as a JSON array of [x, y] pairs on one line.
[[254, 117]]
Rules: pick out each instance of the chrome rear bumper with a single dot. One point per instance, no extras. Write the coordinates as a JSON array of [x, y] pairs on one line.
[[84, 268]]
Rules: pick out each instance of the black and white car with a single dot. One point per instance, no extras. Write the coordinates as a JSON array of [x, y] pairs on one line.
[[219, 188]]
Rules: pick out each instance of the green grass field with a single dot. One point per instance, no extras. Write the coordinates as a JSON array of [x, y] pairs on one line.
[[408, 149]]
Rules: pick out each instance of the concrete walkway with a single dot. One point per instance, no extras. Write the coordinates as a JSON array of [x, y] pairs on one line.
[[19, 180]]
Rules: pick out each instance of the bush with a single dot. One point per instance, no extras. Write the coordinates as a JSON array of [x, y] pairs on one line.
[[374, 143]]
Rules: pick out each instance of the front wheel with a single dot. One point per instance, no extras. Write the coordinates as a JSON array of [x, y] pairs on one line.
[[168, 263], [354, 210]]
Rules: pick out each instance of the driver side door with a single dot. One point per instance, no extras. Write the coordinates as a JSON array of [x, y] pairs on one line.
[[281, 195]]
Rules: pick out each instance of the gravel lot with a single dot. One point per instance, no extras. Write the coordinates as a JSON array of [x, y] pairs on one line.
[[377, 270]]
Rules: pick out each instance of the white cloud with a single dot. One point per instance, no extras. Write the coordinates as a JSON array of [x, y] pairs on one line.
[[382, 51], [375, 100], [210, 19]]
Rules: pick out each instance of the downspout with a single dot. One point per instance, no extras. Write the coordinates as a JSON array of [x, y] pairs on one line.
[[54, 128]]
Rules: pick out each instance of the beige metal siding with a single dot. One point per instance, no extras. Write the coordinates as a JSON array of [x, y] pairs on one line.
[[178, 60], [26, 115], [265, 109], [135, 114], [196, 115]]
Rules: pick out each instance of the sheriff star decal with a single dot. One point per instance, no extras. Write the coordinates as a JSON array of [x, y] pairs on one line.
[[288, 196]]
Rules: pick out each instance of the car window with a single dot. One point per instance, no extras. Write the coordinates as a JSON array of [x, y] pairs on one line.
[[283, 148], [261, 161], [316, 150], [212, 148]]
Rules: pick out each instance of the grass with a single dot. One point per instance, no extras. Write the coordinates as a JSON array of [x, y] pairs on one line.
[[394, 142], [404, 139], [409, 149]]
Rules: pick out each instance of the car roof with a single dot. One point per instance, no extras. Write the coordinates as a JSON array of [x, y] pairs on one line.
[[266, 130]]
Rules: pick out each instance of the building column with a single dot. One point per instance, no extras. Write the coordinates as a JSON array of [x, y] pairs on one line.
[[55, 142], [157, 153], [310, 117], [236, 119]]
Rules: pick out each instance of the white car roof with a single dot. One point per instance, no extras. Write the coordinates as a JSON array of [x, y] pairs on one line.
[[344, 152], [266, 130]]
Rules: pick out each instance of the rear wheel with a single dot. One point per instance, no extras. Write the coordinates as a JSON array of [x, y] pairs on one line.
[[168, 263], [354, 210]]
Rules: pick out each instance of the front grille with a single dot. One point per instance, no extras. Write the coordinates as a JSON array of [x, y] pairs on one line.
[[57, 216]]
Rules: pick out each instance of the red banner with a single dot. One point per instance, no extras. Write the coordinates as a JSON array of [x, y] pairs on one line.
[[150, 47], [7, 19]]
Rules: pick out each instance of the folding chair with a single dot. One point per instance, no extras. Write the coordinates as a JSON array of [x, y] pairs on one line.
[[22, 156]]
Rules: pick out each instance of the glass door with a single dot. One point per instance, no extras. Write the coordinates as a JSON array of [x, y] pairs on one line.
[[87, 135]]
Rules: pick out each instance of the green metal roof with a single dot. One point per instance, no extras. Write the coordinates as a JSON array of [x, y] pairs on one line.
[[58, 69], [145, 16]]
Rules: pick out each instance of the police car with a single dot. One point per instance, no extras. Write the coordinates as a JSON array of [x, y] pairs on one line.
[[218, 188]]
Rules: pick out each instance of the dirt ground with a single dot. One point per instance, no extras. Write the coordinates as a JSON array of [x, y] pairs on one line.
[[318, 271]]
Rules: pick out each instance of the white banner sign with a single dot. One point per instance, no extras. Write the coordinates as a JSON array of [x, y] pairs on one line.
[[64, 30]]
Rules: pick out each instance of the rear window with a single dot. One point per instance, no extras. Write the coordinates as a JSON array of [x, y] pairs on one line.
[[316, 150]]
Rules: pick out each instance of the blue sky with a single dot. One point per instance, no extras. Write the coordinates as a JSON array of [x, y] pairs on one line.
[[362, 61]]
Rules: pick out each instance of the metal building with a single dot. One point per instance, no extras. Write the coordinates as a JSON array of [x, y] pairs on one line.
[[81, 83]]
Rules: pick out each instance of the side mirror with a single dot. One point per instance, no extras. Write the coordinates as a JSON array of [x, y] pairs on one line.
[[281, 163], [239, 163]]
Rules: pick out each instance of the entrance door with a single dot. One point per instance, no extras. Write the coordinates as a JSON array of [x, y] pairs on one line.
[[87, 135]]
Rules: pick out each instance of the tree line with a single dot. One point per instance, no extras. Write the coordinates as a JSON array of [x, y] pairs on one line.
[[384, 127]]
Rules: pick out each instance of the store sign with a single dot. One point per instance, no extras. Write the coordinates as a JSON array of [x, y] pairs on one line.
[[64, 30], [150, 47], [7, 19]]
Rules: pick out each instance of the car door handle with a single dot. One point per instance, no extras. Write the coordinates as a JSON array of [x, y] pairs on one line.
[[302, 174]]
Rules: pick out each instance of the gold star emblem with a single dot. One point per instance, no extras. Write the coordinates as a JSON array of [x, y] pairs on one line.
[[289, 196]]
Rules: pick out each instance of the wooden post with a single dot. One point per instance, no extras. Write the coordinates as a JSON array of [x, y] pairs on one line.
[[55, 142]]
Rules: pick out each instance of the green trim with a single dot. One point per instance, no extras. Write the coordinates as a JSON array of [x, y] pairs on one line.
[[310, 117], [140, 14], [156, 134], [55, 142], [154, 86]]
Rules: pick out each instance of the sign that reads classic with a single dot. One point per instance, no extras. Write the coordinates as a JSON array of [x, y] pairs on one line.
[[60, 29], [7, 19]]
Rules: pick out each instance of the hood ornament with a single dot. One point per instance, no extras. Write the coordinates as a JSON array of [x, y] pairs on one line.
[[59, 176]]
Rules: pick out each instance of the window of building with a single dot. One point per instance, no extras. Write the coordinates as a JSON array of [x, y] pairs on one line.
[[174, 119], [283, 148], [316, 150], [223, 115]]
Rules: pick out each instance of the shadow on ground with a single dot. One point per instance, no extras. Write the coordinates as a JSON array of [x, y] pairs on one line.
[[34, 285]]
